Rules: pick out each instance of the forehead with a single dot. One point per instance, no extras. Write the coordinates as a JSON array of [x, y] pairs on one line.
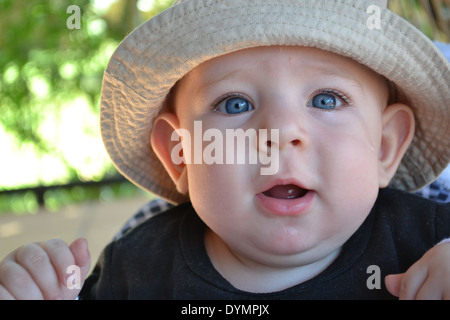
[[271, 64], [271, 59]]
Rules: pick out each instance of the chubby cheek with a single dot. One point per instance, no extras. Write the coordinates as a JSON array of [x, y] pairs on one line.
[[217, 190], [349, 149], [354, 167], [349, 165]]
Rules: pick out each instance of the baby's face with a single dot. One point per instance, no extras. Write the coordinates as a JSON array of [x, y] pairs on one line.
[[327, 111]]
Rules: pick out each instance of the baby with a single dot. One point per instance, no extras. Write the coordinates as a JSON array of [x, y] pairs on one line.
[[350, 117]]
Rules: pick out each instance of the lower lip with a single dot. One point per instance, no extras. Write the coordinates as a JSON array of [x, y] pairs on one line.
[[286, 207]]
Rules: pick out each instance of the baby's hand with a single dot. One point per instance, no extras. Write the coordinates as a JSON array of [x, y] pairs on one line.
[[428, 278], [39, 270]]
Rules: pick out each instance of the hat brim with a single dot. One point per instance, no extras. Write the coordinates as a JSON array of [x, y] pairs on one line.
[[150, 60]]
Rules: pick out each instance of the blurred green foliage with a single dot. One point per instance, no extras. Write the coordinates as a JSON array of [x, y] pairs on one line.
[[432, 17], [44, 65], [55, 199]]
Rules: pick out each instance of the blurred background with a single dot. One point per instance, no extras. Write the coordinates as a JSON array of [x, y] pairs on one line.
[[52, 57]]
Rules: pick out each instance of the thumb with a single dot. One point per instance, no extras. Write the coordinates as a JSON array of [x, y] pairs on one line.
[[82, 256], [78, 274], [393, 283]]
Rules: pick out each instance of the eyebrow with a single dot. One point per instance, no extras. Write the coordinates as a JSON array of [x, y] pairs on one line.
[[325, 70], [223, 77], [345, 75]]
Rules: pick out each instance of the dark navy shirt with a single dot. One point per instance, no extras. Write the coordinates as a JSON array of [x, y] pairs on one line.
[[165, 257]]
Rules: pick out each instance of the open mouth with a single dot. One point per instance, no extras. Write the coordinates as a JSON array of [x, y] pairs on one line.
[[286, 198], [287, 191]]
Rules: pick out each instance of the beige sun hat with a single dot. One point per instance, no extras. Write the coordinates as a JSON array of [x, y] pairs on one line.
[[151, 59]]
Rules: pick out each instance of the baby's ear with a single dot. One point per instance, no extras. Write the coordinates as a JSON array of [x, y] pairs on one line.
[[164, 127], [397, 134]]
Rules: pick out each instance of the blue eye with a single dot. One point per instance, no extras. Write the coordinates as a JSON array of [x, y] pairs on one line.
[[234, 105], [325, 101]]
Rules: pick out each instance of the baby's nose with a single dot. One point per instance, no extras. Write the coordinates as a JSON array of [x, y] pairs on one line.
[[291, 133], [295, 142]]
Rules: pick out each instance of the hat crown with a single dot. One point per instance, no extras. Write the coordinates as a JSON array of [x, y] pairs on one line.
[[157, 54], [380, 3]]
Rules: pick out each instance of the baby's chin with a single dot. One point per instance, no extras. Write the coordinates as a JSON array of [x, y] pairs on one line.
[[286, 247]]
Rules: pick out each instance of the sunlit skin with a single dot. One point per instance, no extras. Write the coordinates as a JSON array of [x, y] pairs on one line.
[[333, 153]]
